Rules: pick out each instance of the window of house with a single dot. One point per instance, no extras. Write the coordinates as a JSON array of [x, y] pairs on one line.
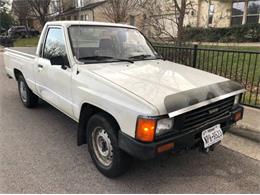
[[245, 12], [238, 9], [253, 12], [82, 17], [132, 20], [75, 17], [211, 13], [54, 6]]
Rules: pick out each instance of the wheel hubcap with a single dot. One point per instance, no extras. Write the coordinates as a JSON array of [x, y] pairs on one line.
[[23, 91], [102, 146]]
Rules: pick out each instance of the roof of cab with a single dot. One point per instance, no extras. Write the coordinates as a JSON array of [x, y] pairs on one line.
[[88, 23]]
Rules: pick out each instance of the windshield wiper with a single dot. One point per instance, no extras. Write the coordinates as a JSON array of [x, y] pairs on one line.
[[143, 56], [99, 58], [95, 58], [124, 60]]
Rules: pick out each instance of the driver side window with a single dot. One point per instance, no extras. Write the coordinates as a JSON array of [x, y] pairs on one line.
[[54, 44]]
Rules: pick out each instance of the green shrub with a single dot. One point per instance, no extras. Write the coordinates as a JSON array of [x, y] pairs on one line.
[[244, 33]]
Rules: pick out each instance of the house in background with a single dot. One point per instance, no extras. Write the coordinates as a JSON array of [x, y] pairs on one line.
[[86, 10], [219, 13], [204, 14], [20, 13]]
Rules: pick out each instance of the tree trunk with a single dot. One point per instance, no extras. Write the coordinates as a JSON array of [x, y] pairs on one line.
[[180, 24], [42, 21]]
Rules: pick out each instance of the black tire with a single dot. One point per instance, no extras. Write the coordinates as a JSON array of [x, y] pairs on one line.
[[120, 160], [29, 99]]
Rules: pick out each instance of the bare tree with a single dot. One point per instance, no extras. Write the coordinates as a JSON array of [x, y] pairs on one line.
[[182, 8], [22, 10], [118, 10], [40, 9], [167, 16], [37, 9]]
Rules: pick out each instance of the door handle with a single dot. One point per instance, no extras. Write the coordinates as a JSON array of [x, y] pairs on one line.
[[40, 67]]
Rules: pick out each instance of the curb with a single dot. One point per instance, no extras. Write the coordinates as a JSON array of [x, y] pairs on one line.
[[246, 133], [249, 127]]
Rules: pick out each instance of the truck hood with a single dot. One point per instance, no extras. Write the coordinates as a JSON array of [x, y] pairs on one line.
[[156, 80]]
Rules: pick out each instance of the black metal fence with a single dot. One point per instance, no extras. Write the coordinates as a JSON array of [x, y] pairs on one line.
[[240, 66]]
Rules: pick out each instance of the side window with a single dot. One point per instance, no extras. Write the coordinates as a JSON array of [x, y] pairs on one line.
[[54, 44]]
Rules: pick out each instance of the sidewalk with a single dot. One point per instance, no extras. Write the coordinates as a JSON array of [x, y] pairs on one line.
[[251, 119], [242, 145], [249, 127]]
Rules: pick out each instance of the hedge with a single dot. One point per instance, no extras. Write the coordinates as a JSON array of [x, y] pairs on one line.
[[244, 33]]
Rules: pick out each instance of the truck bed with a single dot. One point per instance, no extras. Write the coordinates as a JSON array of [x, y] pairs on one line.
[[28, 51], [20, 58]]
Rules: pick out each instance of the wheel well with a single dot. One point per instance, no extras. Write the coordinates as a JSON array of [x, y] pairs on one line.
[[17, 73], [88, 110]]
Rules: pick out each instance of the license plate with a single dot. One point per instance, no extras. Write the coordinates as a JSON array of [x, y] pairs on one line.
[[212, 136]]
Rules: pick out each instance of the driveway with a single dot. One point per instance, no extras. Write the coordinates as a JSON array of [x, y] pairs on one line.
[[39, 154]]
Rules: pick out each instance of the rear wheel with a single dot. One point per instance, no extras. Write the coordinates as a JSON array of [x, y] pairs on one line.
[[109, 159], [28, 98]]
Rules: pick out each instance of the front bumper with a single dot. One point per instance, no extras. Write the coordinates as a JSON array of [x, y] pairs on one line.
[[182, 141]]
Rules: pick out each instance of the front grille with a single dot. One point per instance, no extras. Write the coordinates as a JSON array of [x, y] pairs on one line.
[[204, 115]]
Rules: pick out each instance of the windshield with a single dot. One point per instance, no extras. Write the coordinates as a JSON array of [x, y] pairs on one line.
[[91, 44]]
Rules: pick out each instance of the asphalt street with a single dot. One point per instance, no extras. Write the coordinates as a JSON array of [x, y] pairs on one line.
[[39, 154]]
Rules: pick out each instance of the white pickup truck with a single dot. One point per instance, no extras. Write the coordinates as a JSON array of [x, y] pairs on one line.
[[127, 100]]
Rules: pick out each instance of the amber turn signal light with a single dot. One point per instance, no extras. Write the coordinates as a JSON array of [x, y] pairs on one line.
[[145, 129], [165, 147], [237, 116]]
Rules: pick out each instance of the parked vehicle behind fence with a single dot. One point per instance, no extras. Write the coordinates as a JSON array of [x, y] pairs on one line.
[[127, 100], [22, 32]]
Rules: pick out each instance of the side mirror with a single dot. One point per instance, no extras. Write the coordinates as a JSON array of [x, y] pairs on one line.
[[59, 60]]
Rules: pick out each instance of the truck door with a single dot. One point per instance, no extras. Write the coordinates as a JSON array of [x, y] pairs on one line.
[[52, 79]]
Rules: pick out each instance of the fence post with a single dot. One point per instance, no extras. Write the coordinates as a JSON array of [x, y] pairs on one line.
[[195, 53]]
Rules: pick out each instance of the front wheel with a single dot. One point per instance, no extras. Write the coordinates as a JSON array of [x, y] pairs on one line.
[[109, 159], [28, 98]]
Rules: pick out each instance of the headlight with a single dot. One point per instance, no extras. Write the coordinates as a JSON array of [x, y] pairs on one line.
[[163, 126], [237, 99]]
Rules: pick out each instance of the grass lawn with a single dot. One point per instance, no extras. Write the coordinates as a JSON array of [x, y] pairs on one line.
[[26, 42]]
